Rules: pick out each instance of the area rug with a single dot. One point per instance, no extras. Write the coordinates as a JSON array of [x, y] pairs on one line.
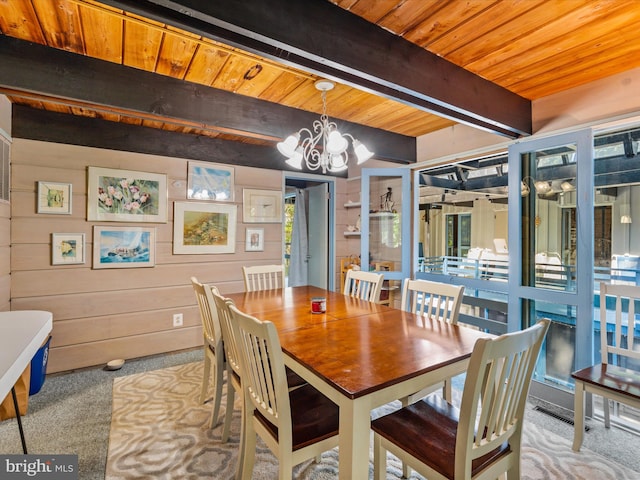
[[159, 430]]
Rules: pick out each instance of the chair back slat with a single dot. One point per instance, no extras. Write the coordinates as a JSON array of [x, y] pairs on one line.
[[619, 346], [363, 285], [263, 277], [228, 332], [432, 299], [495, 391], [208, 312], [263, 368]]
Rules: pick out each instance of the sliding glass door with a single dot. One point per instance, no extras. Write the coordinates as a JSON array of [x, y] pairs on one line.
[[551, 250]]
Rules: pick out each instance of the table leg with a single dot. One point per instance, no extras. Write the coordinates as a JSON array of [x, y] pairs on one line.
[[355, 426], [19, 419], [578, 415]]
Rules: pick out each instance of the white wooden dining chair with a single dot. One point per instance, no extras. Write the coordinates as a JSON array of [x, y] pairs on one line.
[[614, 378], [483, 439], [263, 277], [296, 424], [364, 285], [232, 356], [214, 363]]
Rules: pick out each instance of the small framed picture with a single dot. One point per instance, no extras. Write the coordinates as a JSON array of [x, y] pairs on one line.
[[209, 181], [254, 241], [123, 247], [54, 198], [261, 206], [67, 248]]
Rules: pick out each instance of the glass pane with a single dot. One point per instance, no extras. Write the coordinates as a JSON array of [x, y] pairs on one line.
[[558, 351], [385, 239], [548, 189]]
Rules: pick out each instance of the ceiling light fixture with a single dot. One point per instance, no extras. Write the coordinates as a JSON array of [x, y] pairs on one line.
[[324, 147]]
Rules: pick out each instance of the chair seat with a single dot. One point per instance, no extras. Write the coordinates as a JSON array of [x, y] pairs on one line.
[[314, 417], [611, 377], [427, 430]]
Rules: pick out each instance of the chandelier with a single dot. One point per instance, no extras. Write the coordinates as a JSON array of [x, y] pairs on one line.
[[323, 146]]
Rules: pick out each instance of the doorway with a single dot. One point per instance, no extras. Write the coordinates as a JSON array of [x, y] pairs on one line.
[[316, 254]]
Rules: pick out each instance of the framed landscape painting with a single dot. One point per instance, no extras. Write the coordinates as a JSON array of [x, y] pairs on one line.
[[209, 181], [204, 228], [126, 196], [123, 247]]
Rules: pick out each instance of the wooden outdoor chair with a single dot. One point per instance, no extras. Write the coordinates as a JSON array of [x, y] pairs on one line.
[[482, 440], [434, 300], [296, 424], [214, 363], [263, 277], [611, 378], [364, 285]]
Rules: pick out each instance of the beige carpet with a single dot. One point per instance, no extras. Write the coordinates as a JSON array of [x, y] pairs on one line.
[[158, 430]]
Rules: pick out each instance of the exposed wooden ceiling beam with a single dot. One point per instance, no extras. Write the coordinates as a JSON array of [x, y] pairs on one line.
[[34, 71], [320, 37]]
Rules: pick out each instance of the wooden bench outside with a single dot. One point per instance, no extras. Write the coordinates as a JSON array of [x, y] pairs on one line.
[[611, 381]]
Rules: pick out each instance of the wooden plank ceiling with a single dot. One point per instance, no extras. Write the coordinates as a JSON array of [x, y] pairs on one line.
[[532, 48]]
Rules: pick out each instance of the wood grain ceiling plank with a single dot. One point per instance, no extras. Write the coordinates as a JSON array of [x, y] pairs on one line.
[[141, 45], [231, 77], [175, 55], [565, 26], [442, 19], [61, 22], [512, 38], [130, 120], [19, 19], [587, 60], [206, 64], [103, 34], [466, 27], [407, 15], [282, 86], [257, 79]]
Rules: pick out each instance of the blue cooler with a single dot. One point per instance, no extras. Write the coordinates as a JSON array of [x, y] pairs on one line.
[[39, 368]]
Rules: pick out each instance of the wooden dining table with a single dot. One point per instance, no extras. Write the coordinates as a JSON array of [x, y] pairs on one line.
[[360, 354]]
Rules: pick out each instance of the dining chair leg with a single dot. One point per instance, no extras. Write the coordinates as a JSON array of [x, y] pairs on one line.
[[217, 393], [228, 415], [380, 461], [607, 415], [447, 392], [248, 447], [206, 376]]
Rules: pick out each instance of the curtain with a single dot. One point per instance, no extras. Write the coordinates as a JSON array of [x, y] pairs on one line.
[[298, 264]]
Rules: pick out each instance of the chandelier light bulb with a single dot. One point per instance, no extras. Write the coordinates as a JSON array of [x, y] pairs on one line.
[[362, 152], [336, 143], [288, 146]]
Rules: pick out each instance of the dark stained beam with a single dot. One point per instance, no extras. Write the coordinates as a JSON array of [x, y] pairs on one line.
[[34, 124], [320, 37], [34, 71]]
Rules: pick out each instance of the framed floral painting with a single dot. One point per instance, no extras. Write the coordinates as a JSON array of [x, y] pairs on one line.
[[126, 196], [204, 228], [54, 197]]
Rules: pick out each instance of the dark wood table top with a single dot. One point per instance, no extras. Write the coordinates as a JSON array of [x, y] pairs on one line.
[[357, 346]]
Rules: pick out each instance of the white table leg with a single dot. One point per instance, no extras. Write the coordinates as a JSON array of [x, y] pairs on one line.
[[355, 425], [578, 415]]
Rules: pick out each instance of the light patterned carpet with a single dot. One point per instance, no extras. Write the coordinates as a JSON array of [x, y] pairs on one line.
[[158, 430]]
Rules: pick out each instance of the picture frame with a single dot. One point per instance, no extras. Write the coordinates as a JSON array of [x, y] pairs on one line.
[[210, 181], [126, 196], [254, 240], [261, 206], [54, 198], [204, 228], [123, 247], [67, 249]]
